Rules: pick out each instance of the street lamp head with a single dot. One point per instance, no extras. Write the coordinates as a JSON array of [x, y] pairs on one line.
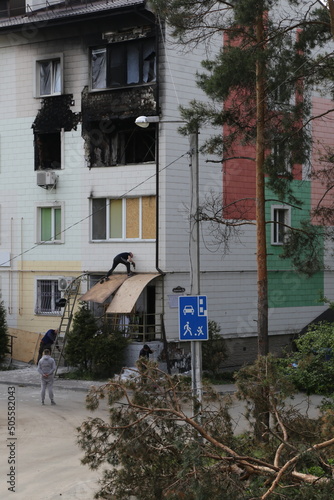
[[144, 121], [141, 121]]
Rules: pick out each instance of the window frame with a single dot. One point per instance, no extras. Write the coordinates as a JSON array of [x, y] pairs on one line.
[[38, 151], [55, 295], [52, 58], [124, 222], [116, 143], [8, 10], [54, 206], [279, 150], [278, 231], [121, 48]]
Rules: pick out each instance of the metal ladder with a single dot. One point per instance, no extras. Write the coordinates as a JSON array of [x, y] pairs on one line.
[[70, 296]]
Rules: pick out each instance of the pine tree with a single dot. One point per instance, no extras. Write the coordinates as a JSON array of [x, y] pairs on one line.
[[214, 351], [258, 92], [262, 75], [4, 338], [78, 351], [152, 447], [93, 349]]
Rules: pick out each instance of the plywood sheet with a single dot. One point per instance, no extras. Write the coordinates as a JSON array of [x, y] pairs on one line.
[[101, 291], [25, 345], [132, 218], [127, 295], [148, 220]]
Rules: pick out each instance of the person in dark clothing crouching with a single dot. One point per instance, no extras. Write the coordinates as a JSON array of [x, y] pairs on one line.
[[124, 258], [145, 352]]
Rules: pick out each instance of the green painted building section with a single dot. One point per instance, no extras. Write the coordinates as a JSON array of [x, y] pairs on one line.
[[286, 288]]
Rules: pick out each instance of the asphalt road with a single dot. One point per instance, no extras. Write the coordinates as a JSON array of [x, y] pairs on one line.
[[38, 451]]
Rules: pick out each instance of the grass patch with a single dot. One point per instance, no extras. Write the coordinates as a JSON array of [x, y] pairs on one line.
[[80, 375], [7, 368]]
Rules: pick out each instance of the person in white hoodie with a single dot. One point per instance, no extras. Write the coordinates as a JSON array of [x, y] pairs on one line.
[[47, 368]]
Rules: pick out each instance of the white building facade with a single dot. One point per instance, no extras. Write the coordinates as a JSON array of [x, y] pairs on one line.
[[80, 182]]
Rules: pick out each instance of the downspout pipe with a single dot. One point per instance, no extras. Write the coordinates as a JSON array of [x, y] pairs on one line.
[[157, 164], [157, 190]]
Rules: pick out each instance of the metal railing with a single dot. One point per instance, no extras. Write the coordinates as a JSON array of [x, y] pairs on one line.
[[139, 327]]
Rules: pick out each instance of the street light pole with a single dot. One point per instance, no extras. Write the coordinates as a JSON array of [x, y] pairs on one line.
[[196, 346]]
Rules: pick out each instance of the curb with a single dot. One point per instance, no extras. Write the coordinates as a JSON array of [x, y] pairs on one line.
[[31, 384]]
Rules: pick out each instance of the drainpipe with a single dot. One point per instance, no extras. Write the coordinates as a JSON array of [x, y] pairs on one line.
[[157, 162], [157, 190]]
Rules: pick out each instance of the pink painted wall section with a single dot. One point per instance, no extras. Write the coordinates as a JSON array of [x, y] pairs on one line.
[[323, 138], [239, 186], [239, 183]]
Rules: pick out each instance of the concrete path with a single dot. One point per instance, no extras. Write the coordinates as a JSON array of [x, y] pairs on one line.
[[38, 451]]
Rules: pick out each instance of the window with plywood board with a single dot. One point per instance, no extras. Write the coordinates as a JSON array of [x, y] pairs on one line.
[[126, 218]]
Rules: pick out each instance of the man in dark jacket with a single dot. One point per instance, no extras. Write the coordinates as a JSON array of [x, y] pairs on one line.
[[145, 352], [123, 258], [47, 342]]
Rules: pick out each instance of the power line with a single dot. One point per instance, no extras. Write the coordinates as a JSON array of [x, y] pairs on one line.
[[91, 214]]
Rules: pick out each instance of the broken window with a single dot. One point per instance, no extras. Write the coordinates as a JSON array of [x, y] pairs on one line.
[[49, 77], [120, 143], [47, 296], [48, 151], [127, 218], [121, 64]]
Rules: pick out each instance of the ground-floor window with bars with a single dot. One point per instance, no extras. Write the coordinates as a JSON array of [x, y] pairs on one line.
[[47, 297]]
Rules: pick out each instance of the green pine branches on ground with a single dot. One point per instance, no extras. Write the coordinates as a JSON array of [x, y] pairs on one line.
[[159, 444]]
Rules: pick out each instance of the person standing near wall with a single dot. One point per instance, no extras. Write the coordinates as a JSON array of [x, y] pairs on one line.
[[47, 368], [47, 341]]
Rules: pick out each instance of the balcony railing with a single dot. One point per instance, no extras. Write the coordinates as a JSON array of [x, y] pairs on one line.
[[139, 327]]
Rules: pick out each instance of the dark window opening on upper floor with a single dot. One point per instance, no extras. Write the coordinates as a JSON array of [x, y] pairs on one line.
[[48, 151], [119, 143], [12, 8], [122, 64]]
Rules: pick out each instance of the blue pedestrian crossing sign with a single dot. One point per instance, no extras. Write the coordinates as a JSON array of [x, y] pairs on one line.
[[193, 317]]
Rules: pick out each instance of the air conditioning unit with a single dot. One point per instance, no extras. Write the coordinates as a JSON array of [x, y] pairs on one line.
[[46, 178], [64, 283]]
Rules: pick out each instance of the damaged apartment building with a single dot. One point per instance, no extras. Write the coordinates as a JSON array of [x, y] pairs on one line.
[[81, 182]]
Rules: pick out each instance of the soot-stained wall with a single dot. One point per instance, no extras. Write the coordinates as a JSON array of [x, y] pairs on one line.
[[55, 114]]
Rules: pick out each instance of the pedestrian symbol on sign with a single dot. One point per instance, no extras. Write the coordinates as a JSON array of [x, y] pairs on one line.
[[187, 329]]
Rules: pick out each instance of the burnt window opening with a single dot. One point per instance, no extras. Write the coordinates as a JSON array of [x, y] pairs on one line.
[[12, 8], [120, 143], [48, 151], [123, 64]]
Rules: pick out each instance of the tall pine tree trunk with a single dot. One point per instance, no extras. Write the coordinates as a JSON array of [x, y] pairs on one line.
[[262, 410], [331, 14], [262, 277]]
